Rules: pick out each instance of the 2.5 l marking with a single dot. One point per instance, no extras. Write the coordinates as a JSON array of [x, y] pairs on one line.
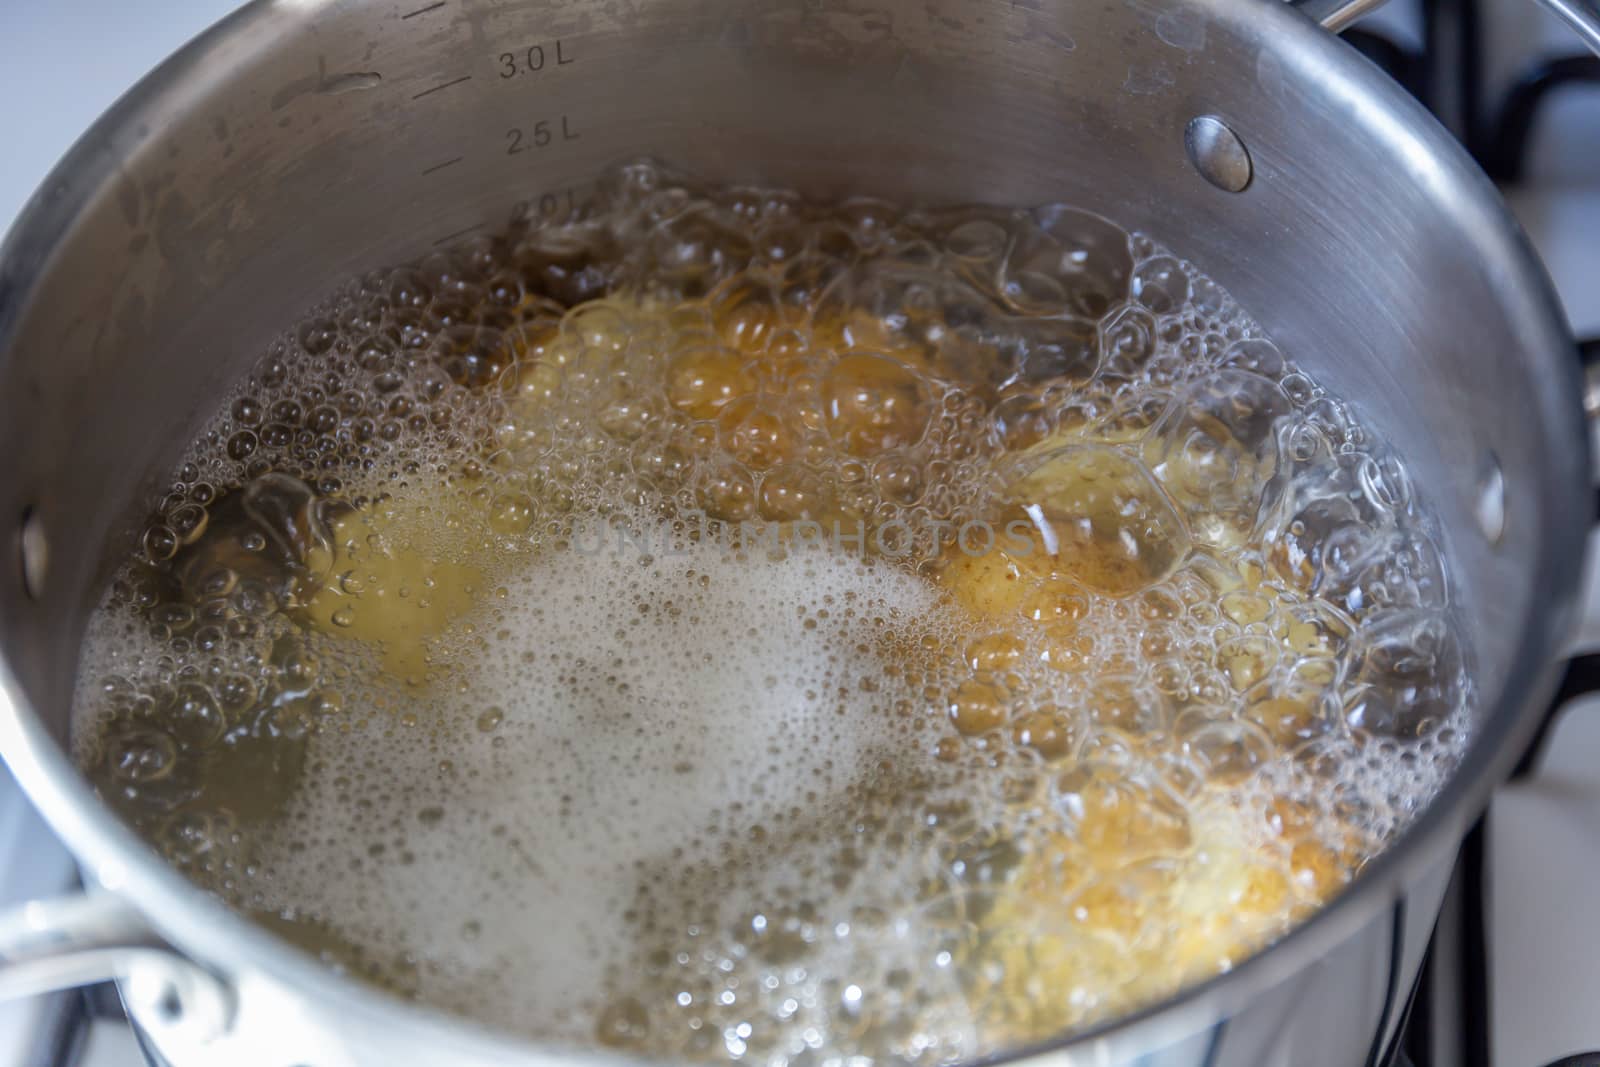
[[541, 134], [533, 59]]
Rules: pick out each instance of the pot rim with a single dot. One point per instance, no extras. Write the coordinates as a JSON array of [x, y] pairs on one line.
[[196, 922]]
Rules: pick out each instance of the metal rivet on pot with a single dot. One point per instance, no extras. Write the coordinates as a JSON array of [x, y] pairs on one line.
[[1490, 506], [34, 551], [169, 1005], [1217, 153]]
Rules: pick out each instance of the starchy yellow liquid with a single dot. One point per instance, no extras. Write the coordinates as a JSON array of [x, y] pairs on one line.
[[732, 628]]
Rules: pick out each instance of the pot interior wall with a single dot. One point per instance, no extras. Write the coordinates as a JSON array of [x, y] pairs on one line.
[[356, 135]]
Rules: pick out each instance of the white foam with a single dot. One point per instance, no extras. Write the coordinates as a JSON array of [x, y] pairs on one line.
[[653, 710]]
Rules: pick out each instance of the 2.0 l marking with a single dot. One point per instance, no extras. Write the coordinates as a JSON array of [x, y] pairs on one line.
[[541, 134], [533, 59], [548, 205]]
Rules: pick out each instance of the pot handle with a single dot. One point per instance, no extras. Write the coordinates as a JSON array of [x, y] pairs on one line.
[[1334, 15], [84, 938]]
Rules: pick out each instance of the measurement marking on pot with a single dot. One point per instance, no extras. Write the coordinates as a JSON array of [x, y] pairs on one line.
[[422, 10], [534, 58], [447, 238], [443, 86], [521, 139], [546, 205], [441, 166]]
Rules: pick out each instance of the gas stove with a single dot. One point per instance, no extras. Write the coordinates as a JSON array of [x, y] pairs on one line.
[[1510, 979]]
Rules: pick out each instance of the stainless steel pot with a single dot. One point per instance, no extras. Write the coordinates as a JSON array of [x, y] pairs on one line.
[[302, 141]]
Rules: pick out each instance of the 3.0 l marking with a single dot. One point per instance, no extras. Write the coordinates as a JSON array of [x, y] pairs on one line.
[[534, 58], [541, 134]]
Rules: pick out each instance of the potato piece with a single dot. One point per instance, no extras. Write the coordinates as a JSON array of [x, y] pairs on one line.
[[386, 592], [1104, 519], [1119, 819], [993, 585], [874, 404]]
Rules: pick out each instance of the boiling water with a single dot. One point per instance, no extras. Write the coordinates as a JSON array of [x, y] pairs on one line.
[[723, 626]]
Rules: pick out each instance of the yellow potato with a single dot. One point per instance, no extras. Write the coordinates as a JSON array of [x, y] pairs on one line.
[[383, 591], [992, 585], [1104, 520]]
